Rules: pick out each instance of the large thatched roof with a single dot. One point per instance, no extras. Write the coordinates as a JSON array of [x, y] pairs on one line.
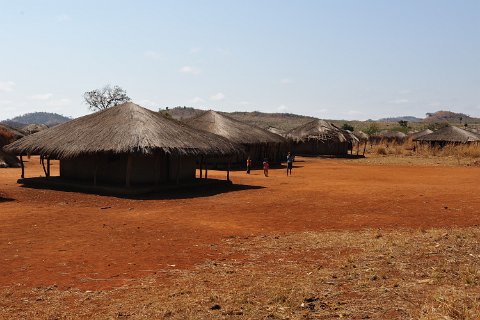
[[126, 128], [450, 134], [419, 134], [319, 130], [232, 129]]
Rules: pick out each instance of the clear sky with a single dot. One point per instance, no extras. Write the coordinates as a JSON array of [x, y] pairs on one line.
[[330, 59]]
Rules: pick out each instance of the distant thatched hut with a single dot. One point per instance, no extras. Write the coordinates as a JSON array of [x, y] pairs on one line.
[[318, 137], [362, 138], [257, 142], [34, 128], [449, 135], [123, 145], [419, 134], [393, 136]]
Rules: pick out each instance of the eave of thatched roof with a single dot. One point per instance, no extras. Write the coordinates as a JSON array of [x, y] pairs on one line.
[[126, 128], [232, 129], [450, 134], [318, 130]]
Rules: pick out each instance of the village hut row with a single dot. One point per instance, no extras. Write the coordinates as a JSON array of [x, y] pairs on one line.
[[124, 145]]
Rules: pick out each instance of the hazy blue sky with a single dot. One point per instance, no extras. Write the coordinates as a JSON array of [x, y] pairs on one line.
[[330, 59]]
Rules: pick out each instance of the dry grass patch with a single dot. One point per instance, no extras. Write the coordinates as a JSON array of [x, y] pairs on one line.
[[374, 274]]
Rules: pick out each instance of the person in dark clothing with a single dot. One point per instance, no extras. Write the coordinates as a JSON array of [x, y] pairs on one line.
[[289, 163]]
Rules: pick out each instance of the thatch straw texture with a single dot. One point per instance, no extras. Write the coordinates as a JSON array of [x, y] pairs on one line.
[[450, 135], [232, 129], [317, 130], [126, 128]]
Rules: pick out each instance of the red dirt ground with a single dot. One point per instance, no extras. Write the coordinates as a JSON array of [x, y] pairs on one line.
[[66, 238]]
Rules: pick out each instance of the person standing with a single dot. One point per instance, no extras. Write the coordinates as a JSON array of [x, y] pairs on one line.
[[289, 163], [266, 166], [249, 165]]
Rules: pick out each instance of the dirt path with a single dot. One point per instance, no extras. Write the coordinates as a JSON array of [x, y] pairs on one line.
[[64, 238]]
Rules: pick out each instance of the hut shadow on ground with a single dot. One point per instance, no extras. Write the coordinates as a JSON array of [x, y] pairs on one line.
[[197, 188], [4, 198]]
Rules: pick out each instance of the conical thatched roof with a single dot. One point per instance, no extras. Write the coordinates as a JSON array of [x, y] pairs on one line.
[[232, 129], [419, 134], [126, 128], [317, 129], [450, 134]]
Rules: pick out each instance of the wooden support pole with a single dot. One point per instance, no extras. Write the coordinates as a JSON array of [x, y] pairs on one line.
[[228, 170], [128, 174], [23, 166], [48, 167], [364, 147], [201, 164], [206, 169], [42, 161]]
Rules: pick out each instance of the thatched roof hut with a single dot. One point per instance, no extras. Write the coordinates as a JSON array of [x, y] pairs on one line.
[[319, 137], [8, 135], [101, 145], [362, 136], [449, 134], [257, 142], [419, 134]]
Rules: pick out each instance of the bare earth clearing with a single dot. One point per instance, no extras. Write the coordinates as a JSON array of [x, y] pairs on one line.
[[341, 238]]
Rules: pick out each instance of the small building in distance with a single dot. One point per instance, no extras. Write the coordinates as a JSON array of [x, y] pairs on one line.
[[449, 135], [258, 143], [124, 145], [419, 134], [318, 137]]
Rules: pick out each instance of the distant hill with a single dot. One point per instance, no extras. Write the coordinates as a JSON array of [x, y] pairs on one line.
[[404, 118], [450, 117], [46, 118]]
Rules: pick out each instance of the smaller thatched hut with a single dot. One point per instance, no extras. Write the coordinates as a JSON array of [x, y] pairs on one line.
[[419, 134], [257, 142], [362, 138], [34, 128], [449, 135], [318, 137], [125, 145], [393, 136]]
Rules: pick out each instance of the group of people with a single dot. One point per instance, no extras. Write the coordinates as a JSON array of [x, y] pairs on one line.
[[266, 165]]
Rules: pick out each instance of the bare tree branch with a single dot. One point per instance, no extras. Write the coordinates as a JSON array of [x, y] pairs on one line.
[[106, 97]]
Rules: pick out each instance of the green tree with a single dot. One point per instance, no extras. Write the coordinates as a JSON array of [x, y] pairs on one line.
[[347, 126], [372, 129]]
